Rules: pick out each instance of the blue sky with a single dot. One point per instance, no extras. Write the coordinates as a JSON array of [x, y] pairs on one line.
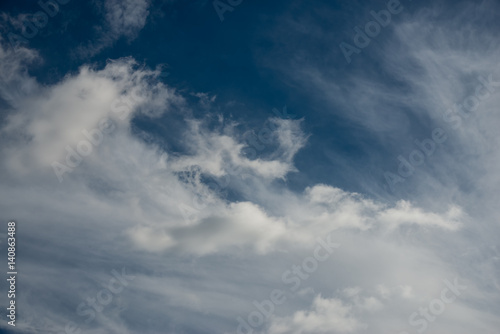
[[251, 167]]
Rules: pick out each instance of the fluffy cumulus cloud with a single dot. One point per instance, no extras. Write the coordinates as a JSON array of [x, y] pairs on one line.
[[204, 231], [54, 121]]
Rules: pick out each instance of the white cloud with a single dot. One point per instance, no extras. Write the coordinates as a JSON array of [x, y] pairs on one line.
[[325, 316], [49, 119], [122, 19], [127, 18], [14, 79]]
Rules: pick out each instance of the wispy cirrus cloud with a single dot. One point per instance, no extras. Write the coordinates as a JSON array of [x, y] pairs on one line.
[[123, 19]]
